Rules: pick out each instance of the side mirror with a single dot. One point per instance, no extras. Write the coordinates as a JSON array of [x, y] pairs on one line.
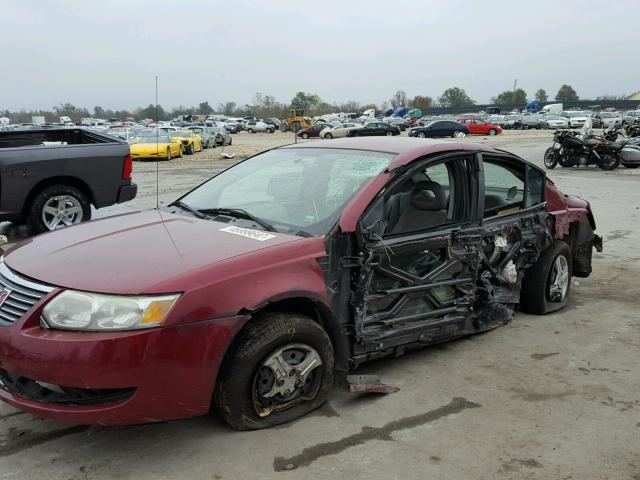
[[512, 192]]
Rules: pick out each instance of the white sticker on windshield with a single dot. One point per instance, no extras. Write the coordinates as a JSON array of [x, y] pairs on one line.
[[249, 233]]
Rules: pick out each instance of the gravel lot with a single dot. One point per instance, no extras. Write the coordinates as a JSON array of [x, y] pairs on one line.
[[553, 397]]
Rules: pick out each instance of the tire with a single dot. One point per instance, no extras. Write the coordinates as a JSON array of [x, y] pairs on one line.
[[608, 162], [49, 194], [191, 150], [305, 135], [389, 133], [270, 130], [237, 395], [355, 134], [550, 158], [168, 154], [492, 132], [249, 130], [328, 136], [537, 285], [422, 135]]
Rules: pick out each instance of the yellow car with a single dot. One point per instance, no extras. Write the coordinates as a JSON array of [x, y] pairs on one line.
[[152, 146], [191, 142]]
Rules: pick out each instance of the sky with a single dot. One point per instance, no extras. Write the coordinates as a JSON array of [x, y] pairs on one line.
[[108, 53]]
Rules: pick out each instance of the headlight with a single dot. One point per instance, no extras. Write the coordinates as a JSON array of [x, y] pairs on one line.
[[72, 310]]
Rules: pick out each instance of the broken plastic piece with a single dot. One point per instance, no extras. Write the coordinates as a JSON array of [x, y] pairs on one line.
[[368, 384]]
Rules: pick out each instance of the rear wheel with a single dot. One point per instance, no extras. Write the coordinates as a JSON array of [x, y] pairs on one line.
[[191, 149], [422, 135], [58, 206], [249, 130], [168, 154], [546, 285], [328, 136], [492, 131], [305, 135], [280, 369], [389, 133]]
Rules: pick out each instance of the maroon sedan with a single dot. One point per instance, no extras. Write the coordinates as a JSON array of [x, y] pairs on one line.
[[314, 131], [255, 289]]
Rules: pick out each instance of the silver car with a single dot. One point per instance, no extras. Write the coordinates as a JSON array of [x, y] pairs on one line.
[[553, 121]]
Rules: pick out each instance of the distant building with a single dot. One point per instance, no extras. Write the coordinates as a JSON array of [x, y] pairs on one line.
[[634, 96]]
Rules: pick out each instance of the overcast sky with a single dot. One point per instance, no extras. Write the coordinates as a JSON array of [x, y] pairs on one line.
[[108, 52]]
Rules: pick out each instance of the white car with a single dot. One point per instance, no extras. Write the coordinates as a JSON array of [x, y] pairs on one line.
[[339, 131], [576, 119], [253, 127], [552, 120]]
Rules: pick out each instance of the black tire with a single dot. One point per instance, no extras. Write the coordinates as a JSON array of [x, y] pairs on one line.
[[236, 389], [305, 135], [270, 130], [550, 158], [422, 135], [389, 133], [328, 136], [191, 149], [249, 130], [168, 154], [608, 162], [34, 212], [535, 293]]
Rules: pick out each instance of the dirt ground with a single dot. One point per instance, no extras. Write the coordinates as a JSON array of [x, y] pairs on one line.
[[552, 397]]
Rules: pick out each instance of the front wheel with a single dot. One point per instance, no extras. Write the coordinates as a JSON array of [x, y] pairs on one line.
[[545, 286], [305, 135], [550, 158], [58, 206], [168, 154], [191, 149], [492, 132], [422, 135], [280, 369], [328, 136], [608, 162]]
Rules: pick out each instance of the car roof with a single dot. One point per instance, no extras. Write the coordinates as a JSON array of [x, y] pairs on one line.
[[407, 149]]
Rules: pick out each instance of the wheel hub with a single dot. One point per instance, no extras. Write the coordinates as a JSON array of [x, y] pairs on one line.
[[61, 211], [559, 282]]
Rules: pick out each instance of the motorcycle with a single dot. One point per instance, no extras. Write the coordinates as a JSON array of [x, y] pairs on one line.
[[569, 150], [626, 149]]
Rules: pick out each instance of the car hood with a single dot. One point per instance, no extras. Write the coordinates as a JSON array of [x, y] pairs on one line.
[[129, 254]]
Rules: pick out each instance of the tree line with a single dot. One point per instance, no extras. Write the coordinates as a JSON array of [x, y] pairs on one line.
[[266, 106]]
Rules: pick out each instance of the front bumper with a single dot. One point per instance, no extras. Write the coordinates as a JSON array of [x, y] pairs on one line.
[[155, 375], [127, 192]]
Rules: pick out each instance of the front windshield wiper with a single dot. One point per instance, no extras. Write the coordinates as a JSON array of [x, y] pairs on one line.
[[239, 212], [189, 209]]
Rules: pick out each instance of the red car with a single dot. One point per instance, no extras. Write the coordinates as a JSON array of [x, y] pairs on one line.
[[257, 287], [480, 127], [312, 132]]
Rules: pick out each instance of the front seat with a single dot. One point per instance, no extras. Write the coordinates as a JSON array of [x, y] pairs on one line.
[[425, 206]]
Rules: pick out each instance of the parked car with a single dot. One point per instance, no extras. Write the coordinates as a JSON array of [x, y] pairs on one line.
[[52, 177], [440, 128], [338, 131], [576, 119], [374, 129], [207, 135], [222, 137], [480, 127], [252, 297], [313, 131], [501, 121], [605, 119], [258, 126], [630, 117], [554, 121], [191, 142], [275, 122], [398, 122], [152, 146]]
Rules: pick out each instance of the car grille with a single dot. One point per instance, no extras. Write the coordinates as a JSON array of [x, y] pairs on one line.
[[18, 295]]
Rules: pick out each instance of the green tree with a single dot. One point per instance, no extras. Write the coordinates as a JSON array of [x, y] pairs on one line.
[[227, 108], [98, 112], [306, 101], [509, 97], [204, 108], [455, 97], [566, 93], [541, 95], [399, 99], [421, 101], [150, 112]]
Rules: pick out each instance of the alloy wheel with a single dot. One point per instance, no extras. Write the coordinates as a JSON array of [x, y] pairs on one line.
[[61, 211], [559, 279]]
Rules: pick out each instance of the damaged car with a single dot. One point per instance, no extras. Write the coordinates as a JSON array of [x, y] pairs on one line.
[[280, 275]]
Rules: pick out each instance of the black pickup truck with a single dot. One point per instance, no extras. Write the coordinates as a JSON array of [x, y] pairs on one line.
[[50, 178]]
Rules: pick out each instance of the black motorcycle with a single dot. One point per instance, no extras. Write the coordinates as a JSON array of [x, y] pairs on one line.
[[568, 150]]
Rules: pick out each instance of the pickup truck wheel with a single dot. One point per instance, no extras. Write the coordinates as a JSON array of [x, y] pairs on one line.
[[58, 206], [280, 369], [545, 286]]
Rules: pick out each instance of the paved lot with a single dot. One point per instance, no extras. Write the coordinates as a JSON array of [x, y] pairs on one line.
[[553, 397]]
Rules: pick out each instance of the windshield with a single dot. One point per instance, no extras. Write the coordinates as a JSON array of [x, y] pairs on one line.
[[294, 190], [197, 130], [553, 117], [153, 139], [180, 133], [577, 114]]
